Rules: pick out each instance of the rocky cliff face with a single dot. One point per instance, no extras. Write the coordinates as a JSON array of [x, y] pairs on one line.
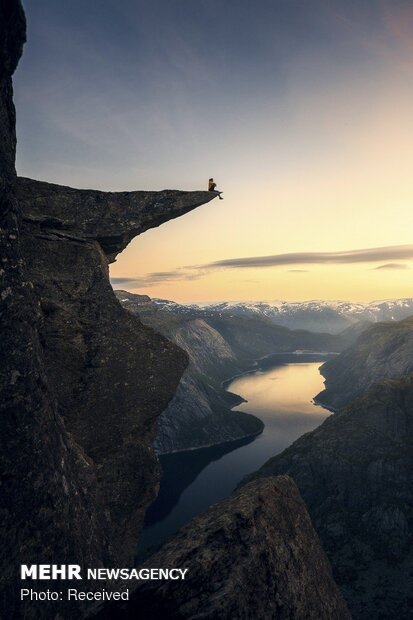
[[111, 219], [355, 473], [44, 477], [383, 351], [110, 375], [254, 555], [200, 413], [82, 380]]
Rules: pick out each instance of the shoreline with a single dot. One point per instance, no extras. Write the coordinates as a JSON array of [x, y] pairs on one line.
[[225, 384]]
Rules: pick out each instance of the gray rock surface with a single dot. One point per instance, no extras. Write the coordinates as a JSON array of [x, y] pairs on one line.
[[200, 413], [254, 555], [384, 351], [112, 219], [355, 473], [47, 493], [111, 375]]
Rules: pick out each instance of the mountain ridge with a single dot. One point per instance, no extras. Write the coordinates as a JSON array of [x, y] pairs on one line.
[[313, 315], [383, 351]]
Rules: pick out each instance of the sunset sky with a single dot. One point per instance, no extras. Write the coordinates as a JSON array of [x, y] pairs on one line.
[[301, 111]]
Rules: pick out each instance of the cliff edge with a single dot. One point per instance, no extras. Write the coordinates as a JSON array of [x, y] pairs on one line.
[[111, 375]]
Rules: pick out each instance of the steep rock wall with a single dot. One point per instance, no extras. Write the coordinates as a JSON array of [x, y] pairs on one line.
[[200, 413], [253, 555], [47, 498], [384, 351], [355, 473], [111, 375]]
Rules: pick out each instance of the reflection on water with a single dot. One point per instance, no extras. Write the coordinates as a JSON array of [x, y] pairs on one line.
[[281, 396]]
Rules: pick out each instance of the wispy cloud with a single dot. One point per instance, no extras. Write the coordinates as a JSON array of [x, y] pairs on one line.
[[156, 277], [392, 266], [194, 272], [301, 258]]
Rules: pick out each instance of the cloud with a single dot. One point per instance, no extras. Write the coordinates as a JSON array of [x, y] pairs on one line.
[[320, 258], [194, 272], [392, 266], [156, 277]]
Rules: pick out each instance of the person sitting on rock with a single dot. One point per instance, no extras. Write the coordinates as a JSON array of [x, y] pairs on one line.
[[212, 188]]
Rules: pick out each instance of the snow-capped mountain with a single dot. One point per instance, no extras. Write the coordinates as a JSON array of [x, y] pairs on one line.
[[316, 316]]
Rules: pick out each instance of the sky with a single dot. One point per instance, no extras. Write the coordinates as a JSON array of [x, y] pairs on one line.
[[300, 110]]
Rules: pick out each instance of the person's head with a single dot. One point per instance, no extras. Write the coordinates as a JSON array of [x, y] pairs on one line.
[[211, 179]]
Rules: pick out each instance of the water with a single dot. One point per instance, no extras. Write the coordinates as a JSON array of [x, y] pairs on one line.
[[280, 392]]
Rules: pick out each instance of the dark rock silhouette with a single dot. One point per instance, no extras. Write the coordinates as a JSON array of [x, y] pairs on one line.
[[254, 555], [111, 375], [110, 218], [355, 473]]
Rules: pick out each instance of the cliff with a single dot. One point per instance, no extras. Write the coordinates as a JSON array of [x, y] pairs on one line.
[[82, 380], [47, 487], [355, 473], [111, 219], [254, 555], [111, 375], [384, 351], [200, 412]]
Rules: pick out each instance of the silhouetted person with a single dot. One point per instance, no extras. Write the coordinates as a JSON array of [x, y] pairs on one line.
[[212, 187]]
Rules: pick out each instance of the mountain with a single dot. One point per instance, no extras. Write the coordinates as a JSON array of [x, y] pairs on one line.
[[355, 473], [200, 413], [218, 347], [385, 350], [254, 555], [314, 316], [254, 337]]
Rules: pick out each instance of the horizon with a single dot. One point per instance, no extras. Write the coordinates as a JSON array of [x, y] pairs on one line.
[[268, 301], [300, 111]]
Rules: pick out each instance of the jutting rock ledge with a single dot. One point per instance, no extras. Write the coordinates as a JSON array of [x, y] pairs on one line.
[[111, 375], [112, 219]]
